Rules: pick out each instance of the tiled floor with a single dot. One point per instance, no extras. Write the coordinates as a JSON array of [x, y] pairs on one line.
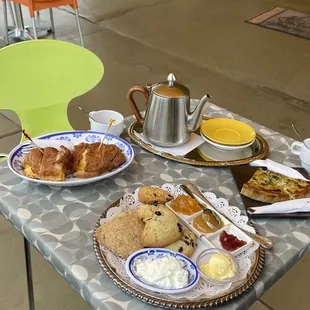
[[258, 73]]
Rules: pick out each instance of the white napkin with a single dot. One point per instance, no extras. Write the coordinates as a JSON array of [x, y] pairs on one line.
[[290, 206], [54, 143], [279, 168], [181, 150]]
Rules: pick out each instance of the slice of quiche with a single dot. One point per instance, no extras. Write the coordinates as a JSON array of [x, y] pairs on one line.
[[268, 186]]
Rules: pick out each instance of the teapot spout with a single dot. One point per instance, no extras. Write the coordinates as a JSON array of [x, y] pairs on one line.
[[194, 118]]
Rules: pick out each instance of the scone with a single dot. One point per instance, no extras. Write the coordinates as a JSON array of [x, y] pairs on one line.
[[153, 195], [146, 212], [186, 245], [122, 235], [161, 229]]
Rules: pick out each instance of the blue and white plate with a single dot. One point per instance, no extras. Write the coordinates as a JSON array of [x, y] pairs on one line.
[[155, 253], [70, 137]]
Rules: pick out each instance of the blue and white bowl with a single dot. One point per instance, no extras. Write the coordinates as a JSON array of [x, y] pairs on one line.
[[70, 137], [156, 253]]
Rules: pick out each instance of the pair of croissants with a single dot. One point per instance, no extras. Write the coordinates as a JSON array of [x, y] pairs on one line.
[[85, 161]]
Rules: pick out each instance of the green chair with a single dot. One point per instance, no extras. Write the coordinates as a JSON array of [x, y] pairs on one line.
[[37, 81], [39, 78]]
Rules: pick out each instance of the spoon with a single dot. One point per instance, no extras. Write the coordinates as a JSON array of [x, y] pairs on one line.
[[87, 114], [195, 190], [208, 211], [299, 136]]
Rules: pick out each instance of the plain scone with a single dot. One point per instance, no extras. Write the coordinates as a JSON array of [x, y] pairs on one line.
[[186, 245], [122, 235], [162, 229]]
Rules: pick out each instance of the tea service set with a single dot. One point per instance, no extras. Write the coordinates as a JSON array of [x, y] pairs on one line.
[[169, 123]]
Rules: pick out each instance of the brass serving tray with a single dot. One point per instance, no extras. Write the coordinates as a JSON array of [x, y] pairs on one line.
[[176, 304], [259, 147]]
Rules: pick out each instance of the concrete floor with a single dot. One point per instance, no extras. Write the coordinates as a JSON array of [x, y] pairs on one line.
[[259, 73]]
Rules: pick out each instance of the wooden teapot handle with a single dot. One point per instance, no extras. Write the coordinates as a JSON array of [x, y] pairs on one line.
[[133, 104]]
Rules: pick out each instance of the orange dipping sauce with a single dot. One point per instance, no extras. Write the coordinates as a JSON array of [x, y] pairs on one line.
[[185, 205], [200, 223]]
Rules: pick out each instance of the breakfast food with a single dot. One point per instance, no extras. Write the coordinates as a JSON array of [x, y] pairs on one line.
[[153, 195], [201, 221], [219, 267], [230, 242], [268, 186], [122, 235], [185, 205], [186, 245], [47, 164], [162, 229], [145, 212], [90, 160], [167, 272], [87, 160]]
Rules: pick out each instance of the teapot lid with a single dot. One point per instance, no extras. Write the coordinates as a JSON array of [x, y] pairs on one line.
[[170, 88]]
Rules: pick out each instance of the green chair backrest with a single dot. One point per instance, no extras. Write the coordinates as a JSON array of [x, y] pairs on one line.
[[39, 78]]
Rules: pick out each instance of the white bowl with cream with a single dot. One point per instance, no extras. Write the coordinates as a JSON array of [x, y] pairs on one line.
[[162, 270]]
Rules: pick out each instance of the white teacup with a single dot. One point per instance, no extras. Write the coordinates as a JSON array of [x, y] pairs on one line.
[[303, 152], [102, 119]]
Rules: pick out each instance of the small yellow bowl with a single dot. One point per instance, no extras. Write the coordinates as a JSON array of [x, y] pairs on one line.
[[228, 131]]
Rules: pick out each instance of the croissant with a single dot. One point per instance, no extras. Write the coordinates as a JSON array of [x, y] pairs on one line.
[[47, 164], [90, 160]]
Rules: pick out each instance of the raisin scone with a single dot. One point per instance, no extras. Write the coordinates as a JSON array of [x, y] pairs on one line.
[[186, 245], [162, 229], [153, 195], [122, 235], [145, 212]]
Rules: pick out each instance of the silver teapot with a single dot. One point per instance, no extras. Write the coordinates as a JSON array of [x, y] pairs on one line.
[[168, 121]]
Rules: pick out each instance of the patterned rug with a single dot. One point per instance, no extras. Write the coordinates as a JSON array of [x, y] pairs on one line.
[[284, 20]]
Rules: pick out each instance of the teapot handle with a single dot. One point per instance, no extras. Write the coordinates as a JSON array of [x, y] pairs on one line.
[[133, 104]]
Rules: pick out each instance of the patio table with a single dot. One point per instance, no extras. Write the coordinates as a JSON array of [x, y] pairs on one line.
[[59, 222]]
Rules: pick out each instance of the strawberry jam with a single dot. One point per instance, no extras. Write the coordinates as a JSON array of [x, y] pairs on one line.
[[230, 242]]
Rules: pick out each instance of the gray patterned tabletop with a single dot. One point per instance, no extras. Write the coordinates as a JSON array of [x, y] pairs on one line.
[[59, 222]]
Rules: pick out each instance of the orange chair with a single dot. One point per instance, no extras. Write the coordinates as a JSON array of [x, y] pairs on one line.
[[37, 5]]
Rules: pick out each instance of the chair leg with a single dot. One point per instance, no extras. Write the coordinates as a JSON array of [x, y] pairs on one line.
[[34, 28], [29, 274], [52, 20], [11, 13], [5, 17], [79, 26]]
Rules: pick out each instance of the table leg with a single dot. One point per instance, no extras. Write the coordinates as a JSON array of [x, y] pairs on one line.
[[29, 274]]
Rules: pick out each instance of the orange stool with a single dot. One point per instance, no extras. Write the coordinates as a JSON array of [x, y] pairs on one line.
[[37, 5]]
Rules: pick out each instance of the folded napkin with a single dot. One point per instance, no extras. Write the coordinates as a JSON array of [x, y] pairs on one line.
[[290, 206], [279, 168], [54, 143], [181, 150]]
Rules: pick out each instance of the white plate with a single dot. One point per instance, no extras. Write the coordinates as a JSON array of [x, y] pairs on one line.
[[154, 253], [226, 147], [208, 151], [16, 156]]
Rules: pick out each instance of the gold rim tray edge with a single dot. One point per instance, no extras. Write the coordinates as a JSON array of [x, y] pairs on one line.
[[262, 153], [169, 304]]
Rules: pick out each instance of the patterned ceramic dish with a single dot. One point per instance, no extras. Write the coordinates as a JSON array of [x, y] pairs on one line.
[[16, 156], [156, 253]]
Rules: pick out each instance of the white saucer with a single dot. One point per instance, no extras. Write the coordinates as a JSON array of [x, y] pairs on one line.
[[208, 152], [226, 147]]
